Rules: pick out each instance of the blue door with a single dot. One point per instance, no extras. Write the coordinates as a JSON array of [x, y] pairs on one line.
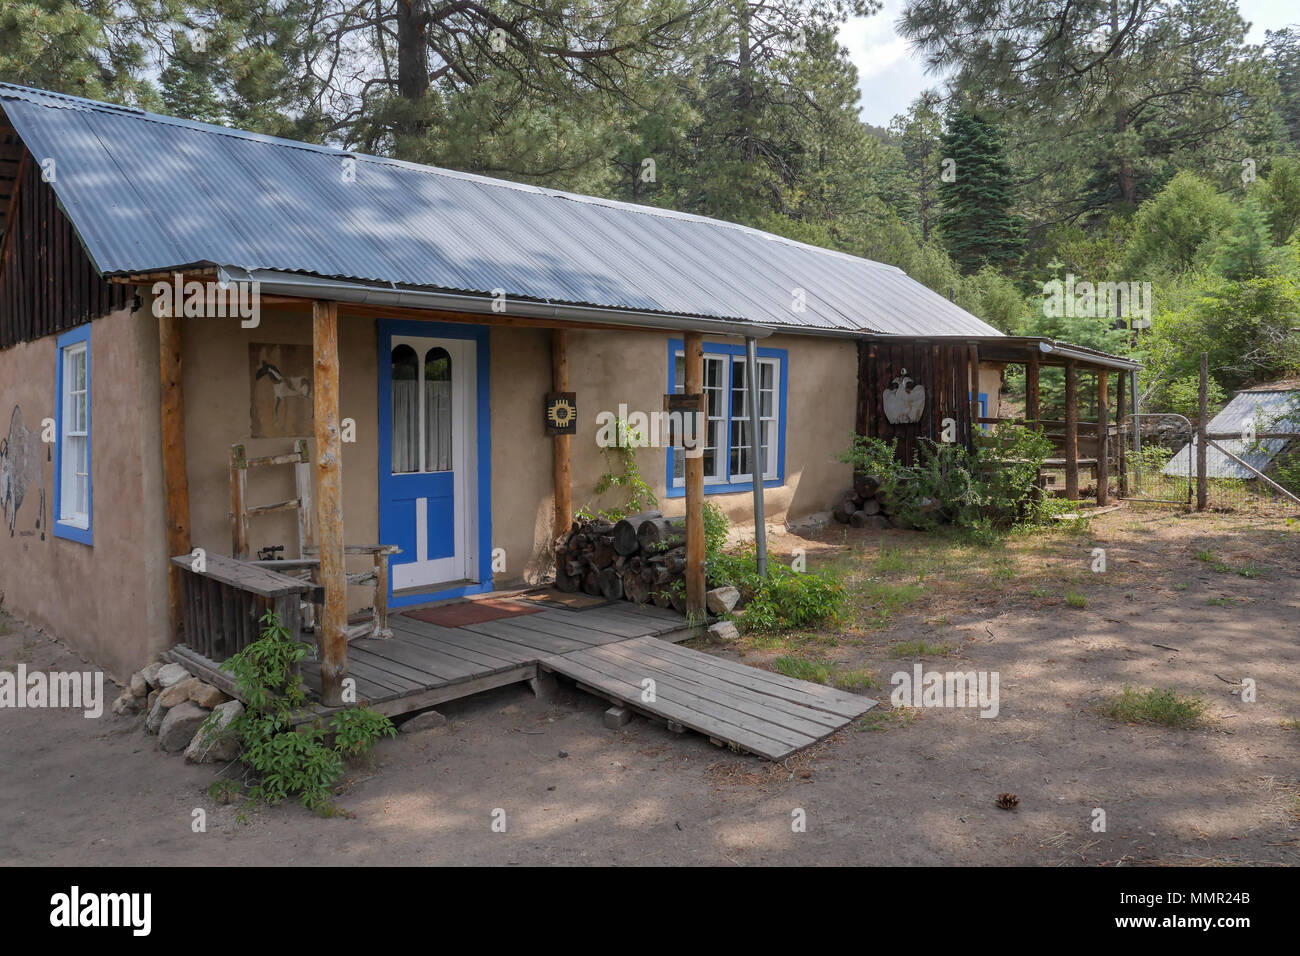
[[426, 492]]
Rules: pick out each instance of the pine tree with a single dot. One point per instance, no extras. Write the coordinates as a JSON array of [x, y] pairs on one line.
[[1247, 250], [977, 223]]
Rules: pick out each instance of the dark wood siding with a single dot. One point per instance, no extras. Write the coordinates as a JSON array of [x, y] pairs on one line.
[[944, 371], [47, 283]]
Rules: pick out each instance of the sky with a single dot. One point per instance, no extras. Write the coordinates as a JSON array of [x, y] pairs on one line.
[[890, 76]]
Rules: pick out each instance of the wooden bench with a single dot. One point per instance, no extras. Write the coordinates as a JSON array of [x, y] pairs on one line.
[[222, 604]]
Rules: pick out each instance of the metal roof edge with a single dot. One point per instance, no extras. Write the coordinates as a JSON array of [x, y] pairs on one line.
[[295, 284]]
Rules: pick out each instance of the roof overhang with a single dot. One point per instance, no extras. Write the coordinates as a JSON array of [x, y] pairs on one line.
[[388, 296], [1021, 348]]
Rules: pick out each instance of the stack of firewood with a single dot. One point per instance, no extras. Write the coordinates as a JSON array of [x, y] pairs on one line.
[[863, 506], [640, 558]]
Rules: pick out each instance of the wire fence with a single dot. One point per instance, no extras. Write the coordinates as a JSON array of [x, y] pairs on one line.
[[1244, 473]]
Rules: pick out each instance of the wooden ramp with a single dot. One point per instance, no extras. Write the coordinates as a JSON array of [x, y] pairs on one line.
[[764, 713]]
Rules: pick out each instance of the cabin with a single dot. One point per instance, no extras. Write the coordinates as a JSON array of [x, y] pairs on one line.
[[220, 349]]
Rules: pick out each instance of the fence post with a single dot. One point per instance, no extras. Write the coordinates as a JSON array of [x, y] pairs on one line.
[[1202, 430]]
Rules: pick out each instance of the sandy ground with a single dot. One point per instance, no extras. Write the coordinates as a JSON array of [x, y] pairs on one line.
[[912, 791]]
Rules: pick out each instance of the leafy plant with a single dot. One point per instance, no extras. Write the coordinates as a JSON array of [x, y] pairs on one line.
[[284, 760], [784, 599], [622, 473]]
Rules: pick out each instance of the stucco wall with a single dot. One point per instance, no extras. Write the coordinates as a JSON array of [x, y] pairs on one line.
[[606, 369], [108, 599]]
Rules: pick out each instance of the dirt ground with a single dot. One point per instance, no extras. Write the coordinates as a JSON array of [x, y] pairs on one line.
[[902, 787]]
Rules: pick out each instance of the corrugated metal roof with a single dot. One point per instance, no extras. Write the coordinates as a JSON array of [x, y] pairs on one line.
[[1263, 409], [151, 193]]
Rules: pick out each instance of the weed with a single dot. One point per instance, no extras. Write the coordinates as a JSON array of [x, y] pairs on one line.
[[1075, 599], [921, 649], [1165, 707], [803, 668]]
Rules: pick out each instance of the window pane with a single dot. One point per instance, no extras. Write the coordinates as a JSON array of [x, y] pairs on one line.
[[437, 410], [406, 412]]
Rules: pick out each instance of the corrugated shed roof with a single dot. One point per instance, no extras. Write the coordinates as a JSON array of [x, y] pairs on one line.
[[1262, 408], [150, 193]]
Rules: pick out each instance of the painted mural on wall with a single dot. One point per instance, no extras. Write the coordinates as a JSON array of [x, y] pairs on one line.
[[21, 451], [904, 400], [280, 387]]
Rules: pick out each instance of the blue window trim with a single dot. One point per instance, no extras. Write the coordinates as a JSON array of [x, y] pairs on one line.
[[730, 487], [442, 330], [984, 408], [84, 535]]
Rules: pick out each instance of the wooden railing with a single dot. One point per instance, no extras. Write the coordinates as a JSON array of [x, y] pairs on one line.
[[223, 601]]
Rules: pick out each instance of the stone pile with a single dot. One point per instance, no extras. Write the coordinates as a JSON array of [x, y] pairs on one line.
[[176, 704]]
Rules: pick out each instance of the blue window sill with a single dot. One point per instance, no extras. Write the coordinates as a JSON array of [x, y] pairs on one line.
[[725, 488], [73, 533]]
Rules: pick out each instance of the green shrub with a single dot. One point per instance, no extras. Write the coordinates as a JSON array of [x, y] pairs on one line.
[[283, 760], [785, 599], [984, 492]]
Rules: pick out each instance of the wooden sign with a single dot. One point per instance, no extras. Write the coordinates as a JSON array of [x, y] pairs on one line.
[[684, 431], [561, 413]]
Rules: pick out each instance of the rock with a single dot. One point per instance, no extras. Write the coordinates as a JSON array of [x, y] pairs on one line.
[[170, 674], [429, 720], [219, 744], [150, 675], [148, 703], [139, 685], [205, 695], [724, 631], [126, 704], [178, 693], [180, 725], [723, 600], [156, 714]]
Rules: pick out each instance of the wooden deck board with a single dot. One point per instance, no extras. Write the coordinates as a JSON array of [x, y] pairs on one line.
[[713, 696]]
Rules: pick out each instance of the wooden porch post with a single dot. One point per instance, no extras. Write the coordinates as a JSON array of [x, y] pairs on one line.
[[1031, 388], [1120, 399], [560, 464], [329, 502], [1103, 437], [176, 484], [694, 385], [1071, 431], [974, 351]]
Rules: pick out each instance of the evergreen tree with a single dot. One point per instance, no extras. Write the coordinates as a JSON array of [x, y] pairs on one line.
[[977, 222], [1246, 252]]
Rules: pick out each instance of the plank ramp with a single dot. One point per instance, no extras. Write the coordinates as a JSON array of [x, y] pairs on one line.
[[755, 710]]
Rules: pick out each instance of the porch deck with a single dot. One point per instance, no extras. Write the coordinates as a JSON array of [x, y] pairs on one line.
[[610, 651], [424, 664]]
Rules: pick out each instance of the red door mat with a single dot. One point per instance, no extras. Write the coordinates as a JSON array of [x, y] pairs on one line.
[[471, 612]]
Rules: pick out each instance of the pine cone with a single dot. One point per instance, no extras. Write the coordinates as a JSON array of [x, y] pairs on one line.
[[1008, 801]]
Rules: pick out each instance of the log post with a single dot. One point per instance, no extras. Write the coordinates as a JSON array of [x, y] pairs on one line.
[[974, 358], [1120, 399], [694, 385], [176, 485], [329, 502], [1071, 431], [1202, 429], [1103, 437], [1031, 388], [560, 464]]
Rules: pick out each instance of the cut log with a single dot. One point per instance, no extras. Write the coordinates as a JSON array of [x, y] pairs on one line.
[[602, 552], [871, 506], [565, 581], [844, 508], [610, 583], [866, 486], [635, 589], [677, 598], [591, 582], [625, 532], [663, 599], [661, 534]]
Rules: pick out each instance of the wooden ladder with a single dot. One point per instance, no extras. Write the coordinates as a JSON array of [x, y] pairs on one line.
[[241, 511]]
